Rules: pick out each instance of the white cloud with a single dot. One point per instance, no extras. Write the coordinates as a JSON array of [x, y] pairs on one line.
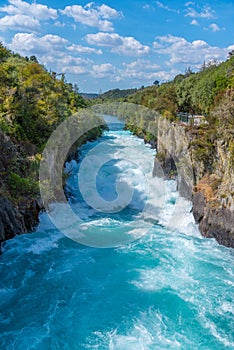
[[59, 24], [73, 65], [19, 22], [65, 63], [181, 51], [143, 72], [92, 15], [84, 49], [165, 7], [206, 12], [138, 72], [105, 70], [37, 11], [122, 45], [140, 65], [214, 27], [144, 77], [104, 39], [147, 6], [65, 59], [74, 70], [129, 72], [170, 39], [26, 43], [165, 75], [108, 12], [194, 22]]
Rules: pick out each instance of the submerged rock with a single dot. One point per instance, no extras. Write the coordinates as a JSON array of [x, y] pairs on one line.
[[11, 221], [218, 223], [15, 220]]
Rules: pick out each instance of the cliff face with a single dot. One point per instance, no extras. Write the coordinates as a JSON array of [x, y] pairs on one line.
[[173, 156], [17, 219], [17, 215], [20, 200], [213, 198], [207, 180]]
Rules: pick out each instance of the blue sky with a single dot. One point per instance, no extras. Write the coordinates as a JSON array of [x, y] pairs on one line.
[[118, 44]]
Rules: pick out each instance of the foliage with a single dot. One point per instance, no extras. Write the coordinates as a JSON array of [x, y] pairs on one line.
[[22, 186], [189, 92], [160, 98], [223, 113], [115, 94], [33, 102]]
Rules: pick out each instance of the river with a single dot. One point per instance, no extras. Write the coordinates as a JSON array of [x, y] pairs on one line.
[[155, 285]]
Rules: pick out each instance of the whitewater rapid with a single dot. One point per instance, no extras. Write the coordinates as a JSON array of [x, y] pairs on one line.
[[162, 287]]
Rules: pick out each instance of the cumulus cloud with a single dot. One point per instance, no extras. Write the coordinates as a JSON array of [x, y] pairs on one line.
[[26, 43], [214, 27], [84, 49], [140, 65], [65, 60], [19, 22], [138, 72], [77, 70], [92, 15], [143, 71], [118, 44], [108, 12], [72, 65], [37, 11], [64, 63], [105, 70], [194, 22], [181, 51]]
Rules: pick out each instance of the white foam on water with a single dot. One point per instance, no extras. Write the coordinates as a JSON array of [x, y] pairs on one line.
[[227, 308], [221, 338], [148, 331], [44, 245]]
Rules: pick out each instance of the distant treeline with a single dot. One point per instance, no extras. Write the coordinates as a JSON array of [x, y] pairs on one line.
[[193, 92], [116, 94]]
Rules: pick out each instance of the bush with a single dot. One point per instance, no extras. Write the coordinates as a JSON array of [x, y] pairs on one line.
[[22, 186], [161, 156]]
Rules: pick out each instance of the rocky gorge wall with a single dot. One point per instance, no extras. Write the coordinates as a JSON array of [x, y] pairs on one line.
[[19, 212], [20, 199], [210, 185]]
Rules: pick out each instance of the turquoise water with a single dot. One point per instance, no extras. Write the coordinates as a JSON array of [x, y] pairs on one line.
[[168, 289]]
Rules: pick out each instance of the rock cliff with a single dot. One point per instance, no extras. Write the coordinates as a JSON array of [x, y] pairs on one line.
[[18, 214], [206, 177], [17, 219]]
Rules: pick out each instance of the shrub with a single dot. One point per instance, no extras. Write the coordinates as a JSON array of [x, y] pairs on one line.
[[22, 186]]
